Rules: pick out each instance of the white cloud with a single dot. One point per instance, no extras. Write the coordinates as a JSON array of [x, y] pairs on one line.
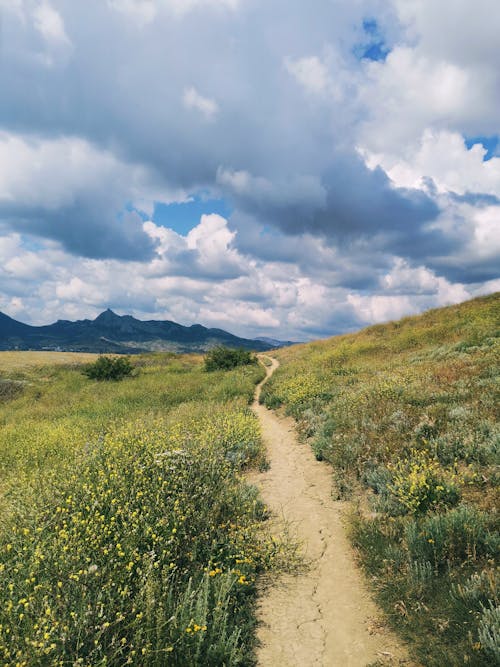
[[410, 91], [146, 11], [192, 99], [52, 173], [442, 75], [443, 157], [487, 230], [310, 72], [49, 172], [139, 11], [454, 29], [184, 6], [50, 24]]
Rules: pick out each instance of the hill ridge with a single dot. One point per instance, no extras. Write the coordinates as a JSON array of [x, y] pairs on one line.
[[110, 332]]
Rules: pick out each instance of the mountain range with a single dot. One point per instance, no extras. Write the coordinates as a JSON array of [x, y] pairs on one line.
[[110, 332]]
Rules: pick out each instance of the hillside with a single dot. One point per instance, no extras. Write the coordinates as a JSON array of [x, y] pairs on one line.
[[128, 534], [407, 414], [110, 332]]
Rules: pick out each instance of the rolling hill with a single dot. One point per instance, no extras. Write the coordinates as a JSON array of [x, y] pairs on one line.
[[406, 413]]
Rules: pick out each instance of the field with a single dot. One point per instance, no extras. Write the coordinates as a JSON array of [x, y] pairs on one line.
[[21, 361], [128, 534], [407, 415]]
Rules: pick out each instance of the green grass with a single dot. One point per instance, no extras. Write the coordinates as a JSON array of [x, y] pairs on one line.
[[407, 414], [128, 534]]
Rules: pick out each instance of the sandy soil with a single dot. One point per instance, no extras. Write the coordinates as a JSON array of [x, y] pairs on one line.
[[323, 616]]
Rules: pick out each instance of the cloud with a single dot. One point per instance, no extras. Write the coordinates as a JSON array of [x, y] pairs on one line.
[[443, 157], [354, 189], [350, 201], [146, 11], [207, 252], [71, 191], [193, 100], [310, 73], [50, 24], [140, 12], [441, 75]]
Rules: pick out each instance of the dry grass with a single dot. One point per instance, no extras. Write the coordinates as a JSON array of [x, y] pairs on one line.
[[15, 361]]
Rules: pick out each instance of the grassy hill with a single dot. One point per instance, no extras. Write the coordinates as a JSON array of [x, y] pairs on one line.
[[407, 414]]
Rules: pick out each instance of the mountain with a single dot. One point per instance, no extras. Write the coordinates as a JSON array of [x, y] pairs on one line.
[[274, 343], [110, 332]]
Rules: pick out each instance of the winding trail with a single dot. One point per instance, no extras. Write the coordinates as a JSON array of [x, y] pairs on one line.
[[324, 616]]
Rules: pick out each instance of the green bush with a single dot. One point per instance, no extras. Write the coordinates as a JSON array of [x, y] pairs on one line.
[[225, 358], [420, 484], [10, 389], [460, 535], [489, 631], [109, 368]]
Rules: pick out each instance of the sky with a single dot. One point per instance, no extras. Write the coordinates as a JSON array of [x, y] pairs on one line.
[[281, 168]]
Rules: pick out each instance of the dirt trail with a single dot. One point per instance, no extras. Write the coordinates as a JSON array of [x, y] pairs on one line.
[[322, 617]]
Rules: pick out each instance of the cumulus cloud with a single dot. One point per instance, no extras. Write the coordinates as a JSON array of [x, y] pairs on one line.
[[354, 175], [442, 74], [443, 157], [69, 190]]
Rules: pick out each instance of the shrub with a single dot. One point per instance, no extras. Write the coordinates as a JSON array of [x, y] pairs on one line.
[[222, 358], [459, 535], [419, 576], [109, 368], [489, 631], [420, 484], [479, 588], [9, 389]]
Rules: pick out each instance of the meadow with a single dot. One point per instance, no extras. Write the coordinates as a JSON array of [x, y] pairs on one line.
[[407, 415], [128, 534]]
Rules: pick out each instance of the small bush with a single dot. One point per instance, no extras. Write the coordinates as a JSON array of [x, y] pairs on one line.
[[419, 576], [460, 535], [489, 631], [479, 588], [109, 368], [420, 484], [9, 389], [222, 358]]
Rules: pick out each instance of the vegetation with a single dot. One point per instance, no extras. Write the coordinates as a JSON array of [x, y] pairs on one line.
[[9, 389], [225, 358], [127, 533], [109, 368], [407, 414]]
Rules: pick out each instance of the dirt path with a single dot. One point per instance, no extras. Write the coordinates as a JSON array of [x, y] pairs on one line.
[[322, 617]]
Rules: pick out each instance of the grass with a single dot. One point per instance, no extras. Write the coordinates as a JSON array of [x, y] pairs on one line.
[[21, 361], [407, 414], [128, 534]]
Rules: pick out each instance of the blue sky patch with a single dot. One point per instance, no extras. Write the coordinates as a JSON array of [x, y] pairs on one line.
[[373, 47], [182, 217], [491, 144]]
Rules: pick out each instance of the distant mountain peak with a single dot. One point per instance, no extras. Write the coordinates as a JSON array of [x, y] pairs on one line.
[[107, 316]]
